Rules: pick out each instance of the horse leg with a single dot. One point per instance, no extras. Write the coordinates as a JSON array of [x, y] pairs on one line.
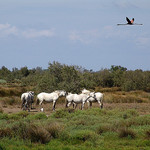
[[101, 105], [75, 105], [66, 103], [82, 106], [31, 103], [41, 109], [90, 104], [54, 104]]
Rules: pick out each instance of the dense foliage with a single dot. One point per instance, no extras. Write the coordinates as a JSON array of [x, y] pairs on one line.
[[74, 78]]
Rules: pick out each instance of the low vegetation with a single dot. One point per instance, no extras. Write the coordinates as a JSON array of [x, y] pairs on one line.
[[64, 129]]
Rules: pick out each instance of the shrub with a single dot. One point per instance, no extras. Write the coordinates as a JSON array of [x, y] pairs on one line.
[[125, 132], [19, 115], [3, 116], [61, 113], [10, 100], [54, 129], [1, 110], [84, 135], [6, 132], [2, 81], [147, 133], [38, 134], [38, 116], [104, 128], [32, 132]]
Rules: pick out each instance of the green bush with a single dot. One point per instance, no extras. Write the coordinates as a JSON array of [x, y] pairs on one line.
[[38, 134], [38, 116], [125, 132], [147, 134], [2, 81], [84, 135]]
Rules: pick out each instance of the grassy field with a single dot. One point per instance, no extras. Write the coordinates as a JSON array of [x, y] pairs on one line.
[[75, 129], [123, 124]]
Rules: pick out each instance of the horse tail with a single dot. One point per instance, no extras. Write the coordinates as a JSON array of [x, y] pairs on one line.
[[23, 101]]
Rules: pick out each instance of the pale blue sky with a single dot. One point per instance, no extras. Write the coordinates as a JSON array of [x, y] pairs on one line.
[[74, 32]]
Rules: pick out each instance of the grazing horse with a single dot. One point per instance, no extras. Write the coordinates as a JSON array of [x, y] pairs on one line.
[[78, 98], [50, 97], [98, 98], [27, 100]]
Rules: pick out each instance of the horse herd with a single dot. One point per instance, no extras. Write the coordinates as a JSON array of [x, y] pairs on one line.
[[75, 99]]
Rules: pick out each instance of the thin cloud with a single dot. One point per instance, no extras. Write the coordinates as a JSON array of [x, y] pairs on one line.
[[124, 4], [85, 37], [143, 41], [7, 29], [35, 33]]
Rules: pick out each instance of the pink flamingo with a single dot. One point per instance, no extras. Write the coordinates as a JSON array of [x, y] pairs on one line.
[[130, 22]]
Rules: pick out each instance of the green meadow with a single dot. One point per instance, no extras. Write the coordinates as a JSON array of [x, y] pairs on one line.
[[68, 129]]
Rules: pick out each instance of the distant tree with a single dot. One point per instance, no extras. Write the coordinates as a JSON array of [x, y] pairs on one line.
[[117, 74], [5, 74], [24, 71], [104, 78]]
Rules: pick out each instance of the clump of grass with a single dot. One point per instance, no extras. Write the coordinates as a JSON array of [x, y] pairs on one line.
[[3, 116], [84, 135], [38, 134], [32, 132], [1, 110], [103, 128], [139, 121], [11, 91], [147, 134], [6, 132], [19, 115], [54, 129], [38, 116], [125, 132], [61, 113], [10, 100]]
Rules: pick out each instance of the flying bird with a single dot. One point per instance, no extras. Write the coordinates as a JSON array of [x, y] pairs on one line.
[[130, 22]]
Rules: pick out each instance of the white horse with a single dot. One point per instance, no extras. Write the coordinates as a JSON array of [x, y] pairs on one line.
[[27, 100], [98, 98], [78, 98], [50, 97]]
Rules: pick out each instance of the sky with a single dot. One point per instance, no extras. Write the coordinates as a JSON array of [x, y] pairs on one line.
[[34, 33]]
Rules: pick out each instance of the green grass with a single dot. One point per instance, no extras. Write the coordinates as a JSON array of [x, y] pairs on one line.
[[71, 130]]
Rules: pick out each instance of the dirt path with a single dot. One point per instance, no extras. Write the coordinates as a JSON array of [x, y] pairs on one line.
[[142, 108]]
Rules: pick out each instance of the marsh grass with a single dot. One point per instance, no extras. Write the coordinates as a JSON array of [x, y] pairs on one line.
[[10, 100], [126, 133], [83, 136], [1, 110], [86, 129], [11, 91], [38, 134], [147, 134]]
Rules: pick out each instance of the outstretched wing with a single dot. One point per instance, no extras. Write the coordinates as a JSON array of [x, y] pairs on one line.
[[128, 20]]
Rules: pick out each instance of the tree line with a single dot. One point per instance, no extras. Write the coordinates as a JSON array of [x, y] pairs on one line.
[[73, 78]]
